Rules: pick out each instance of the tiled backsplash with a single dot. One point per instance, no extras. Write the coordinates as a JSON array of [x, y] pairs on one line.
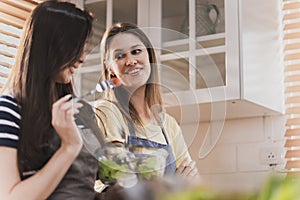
[[236, 155]]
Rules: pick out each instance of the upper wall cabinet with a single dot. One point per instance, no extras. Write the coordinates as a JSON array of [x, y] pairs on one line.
[[221, 57]]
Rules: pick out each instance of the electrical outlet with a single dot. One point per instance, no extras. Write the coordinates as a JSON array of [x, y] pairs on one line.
[[271, 155]]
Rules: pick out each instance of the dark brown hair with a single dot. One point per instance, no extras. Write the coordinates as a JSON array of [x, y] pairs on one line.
[[54, 38]]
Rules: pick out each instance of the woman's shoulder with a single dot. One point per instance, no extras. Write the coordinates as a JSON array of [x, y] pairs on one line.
[[170, 122], [9, 121], [107, 108], [104, 103], [8, 101], [8, 98], [169, 118]]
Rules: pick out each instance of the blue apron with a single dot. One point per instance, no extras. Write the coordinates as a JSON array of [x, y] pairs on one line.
[[137, 141]]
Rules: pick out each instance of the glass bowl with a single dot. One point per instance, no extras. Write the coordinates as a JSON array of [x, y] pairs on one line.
[[127, 165]]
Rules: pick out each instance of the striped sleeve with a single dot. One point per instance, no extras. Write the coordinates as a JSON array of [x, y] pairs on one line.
[[9, 121]]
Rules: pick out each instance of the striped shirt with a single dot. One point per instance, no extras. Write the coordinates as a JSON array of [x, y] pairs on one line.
[[9, 121]]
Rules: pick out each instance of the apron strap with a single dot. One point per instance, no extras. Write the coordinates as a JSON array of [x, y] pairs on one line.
[[131, 127], [165, 134]]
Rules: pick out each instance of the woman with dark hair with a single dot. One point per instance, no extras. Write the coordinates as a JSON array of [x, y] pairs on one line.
[[41, 150], [133, 112]]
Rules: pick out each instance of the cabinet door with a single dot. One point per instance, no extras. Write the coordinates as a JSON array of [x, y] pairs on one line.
[[105, 12], [198, 49]]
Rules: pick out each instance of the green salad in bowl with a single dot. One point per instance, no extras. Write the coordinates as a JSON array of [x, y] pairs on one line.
[[119, 163]]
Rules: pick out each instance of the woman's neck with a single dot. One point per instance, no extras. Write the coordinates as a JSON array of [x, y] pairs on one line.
[[138, 101]]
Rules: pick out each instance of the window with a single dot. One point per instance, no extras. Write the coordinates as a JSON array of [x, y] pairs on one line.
[[291, 21], [13, 14]]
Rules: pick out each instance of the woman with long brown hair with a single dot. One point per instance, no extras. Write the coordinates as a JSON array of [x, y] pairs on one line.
[[133, 113], [41, 150]]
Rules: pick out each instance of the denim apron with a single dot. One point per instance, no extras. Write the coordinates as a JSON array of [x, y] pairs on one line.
[[137, 141]]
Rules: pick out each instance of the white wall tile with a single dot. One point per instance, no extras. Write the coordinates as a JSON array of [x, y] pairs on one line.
[[275, 127], [243, 130], [222, 159], [234, 163], [248, 157]]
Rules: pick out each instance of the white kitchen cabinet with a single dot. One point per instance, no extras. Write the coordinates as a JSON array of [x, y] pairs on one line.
[[236, 70]]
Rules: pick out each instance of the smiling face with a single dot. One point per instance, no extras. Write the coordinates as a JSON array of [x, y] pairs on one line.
[[66, 74], [128, 60]]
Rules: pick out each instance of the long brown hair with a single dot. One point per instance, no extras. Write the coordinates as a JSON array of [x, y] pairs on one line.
[[120, 95], [54, 38]]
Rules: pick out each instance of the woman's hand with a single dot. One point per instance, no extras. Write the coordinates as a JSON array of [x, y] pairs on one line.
[[44, 182], [63, 111], [187, 169]]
